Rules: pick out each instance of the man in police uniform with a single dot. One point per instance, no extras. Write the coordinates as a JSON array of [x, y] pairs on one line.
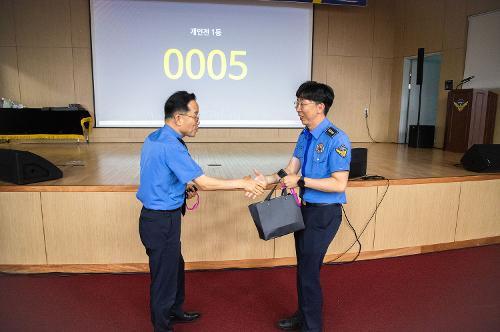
[[167, 170], [322, 154]]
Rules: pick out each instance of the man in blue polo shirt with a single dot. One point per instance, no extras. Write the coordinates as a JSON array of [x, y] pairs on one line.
[[167, 176], [322, 155]]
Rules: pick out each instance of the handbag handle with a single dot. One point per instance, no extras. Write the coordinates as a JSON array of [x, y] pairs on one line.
[[283, 193]]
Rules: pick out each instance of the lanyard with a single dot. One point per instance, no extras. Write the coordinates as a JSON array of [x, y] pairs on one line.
[[195, 204]]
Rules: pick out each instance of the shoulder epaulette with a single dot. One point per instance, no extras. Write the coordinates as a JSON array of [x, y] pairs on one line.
[[331, 131]]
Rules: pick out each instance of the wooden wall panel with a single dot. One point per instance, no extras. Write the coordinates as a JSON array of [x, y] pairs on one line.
[[350, 77], [423, 26], [426, 32], [321, 30], [7, 25], [399, 30], [222, 229], [360, 205], [21, 229], [380, 99], [80, 23], [430, 219], [43, 23], [46, 76], [290, 134], [395, 105], [100, 228], [350, 31], [385, 29], [479, 214], [84, 93], [481, 6], [383, 37], [455, 24], [438, 26], [319, 70], [9, 75], [423, 8]]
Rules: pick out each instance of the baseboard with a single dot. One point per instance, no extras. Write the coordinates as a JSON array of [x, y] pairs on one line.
[[244, 264]]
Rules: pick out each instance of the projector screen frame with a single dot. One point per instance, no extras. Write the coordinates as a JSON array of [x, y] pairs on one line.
[[298, 125]]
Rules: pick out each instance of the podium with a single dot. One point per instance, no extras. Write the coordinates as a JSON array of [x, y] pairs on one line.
[[470, 119]]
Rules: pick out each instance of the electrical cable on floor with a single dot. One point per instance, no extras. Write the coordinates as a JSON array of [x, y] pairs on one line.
[[333, 261], [368, 128]]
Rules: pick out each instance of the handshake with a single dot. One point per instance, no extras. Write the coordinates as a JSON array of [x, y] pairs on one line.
[[256, 186], [253, 187]]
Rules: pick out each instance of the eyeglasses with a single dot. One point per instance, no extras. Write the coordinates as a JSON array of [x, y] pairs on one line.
[[300, 105], [195, 117]]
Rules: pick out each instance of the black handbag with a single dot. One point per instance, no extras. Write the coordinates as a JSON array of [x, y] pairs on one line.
[[275, 217]]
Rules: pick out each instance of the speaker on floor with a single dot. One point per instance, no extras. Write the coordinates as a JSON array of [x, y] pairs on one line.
[[482, 158], [421, 136], [359, 156], [23, 167]]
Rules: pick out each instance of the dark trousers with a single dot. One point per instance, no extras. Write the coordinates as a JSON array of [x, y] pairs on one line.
[[311, 244], [161, 236]]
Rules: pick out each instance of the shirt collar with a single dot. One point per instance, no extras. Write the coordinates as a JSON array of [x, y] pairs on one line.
[[316, 132], [170, 131]]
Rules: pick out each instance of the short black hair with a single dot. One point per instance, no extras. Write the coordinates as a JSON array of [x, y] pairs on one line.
[[317, 92], [178, 103]]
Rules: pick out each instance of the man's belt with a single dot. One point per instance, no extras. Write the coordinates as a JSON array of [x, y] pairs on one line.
[[163, 211], [304, 203]]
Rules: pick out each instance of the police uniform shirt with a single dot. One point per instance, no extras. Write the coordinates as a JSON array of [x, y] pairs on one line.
[[323, 151], [166, 168]]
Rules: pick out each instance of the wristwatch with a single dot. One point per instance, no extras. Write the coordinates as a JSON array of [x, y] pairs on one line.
[[281, 173], [301, 183]]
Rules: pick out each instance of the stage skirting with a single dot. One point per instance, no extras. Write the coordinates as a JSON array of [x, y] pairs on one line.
[[88, 220], [95, 228]]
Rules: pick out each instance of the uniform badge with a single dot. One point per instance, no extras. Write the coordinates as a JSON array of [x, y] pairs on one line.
[[331, 132], [320, 148], [342, 151]]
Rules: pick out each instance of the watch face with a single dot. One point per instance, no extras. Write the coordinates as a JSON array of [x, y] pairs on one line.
[[281, 173]]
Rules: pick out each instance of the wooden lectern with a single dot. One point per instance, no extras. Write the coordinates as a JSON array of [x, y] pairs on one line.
[[470, 119]]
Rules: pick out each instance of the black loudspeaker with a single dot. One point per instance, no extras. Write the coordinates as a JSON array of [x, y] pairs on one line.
[[359, 157], [22, 167], [482, 158], [421, 136], [420, 66]]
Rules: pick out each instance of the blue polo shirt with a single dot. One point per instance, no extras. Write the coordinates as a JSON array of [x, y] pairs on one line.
[[166, 168], [324, 150]]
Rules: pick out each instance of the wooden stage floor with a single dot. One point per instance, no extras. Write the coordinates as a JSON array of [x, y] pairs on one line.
[[117, 164]]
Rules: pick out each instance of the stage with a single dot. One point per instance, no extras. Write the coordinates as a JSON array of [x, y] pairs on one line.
[[87, 221], [117, 164]]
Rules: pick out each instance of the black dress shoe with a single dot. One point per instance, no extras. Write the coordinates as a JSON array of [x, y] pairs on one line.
[[186, 317], [290, 324]]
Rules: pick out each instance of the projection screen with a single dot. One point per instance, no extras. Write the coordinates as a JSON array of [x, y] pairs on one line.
[[243, 59]]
